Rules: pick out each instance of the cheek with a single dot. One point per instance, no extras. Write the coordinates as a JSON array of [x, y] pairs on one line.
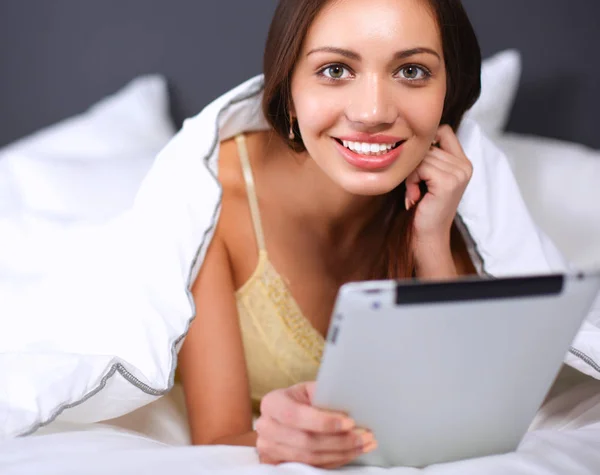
[[423, 112], [317, 109]]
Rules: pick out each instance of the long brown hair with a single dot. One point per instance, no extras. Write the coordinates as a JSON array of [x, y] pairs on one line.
[[290, 25]]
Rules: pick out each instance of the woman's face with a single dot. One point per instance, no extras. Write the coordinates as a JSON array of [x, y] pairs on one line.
[[368, 91]]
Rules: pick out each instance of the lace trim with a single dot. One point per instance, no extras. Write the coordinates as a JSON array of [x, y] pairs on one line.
[[297, 325]]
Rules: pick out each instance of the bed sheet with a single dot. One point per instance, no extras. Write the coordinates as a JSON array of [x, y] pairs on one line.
[[563, 439]]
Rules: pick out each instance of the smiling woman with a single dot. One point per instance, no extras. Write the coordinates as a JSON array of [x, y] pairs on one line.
[[394, 70], [359, 177]]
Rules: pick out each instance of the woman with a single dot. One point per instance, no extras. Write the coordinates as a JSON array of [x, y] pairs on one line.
[[359, 177]]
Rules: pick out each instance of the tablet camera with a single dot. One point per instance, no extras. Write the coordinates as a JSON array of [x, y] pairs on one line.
[[376, 305]]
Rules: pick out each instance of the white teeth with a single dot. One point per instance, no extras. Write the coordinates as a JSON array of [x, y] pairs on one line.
[[368, 148]]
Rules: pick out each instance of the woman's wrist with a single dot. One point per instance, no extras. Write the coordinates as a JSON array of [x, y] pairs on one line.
[[433, 259]]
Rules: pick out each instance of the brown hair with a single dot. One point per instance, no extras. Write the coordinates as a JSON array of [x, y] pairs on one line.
[[290, 25]]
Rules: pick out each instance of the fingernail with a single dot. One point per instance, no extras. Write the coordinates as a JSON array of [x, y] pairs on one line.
[[407, 204], [367, 439], [345, 424], [362, 437], [369, 448]]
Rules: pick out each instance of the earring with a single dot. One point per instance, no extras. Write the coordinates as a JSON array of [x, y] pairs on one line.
[[292, 135]]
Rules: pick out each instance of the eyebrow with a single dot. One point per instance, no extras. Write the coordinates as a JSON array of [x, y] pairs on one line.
[[356, 57]]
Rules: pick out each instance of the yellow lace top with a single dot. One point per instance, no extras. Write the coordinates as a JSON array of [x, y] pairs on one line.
[[282, 347]]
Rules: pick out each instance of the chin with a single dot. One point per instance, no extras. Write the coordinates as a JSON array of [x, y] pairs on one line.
[[369, 185]]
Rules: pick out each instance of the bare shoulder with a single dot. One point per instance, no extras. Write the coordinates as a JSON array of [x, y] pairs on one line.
[[235, 228], [234, 200], [231, 176], [230, 170]]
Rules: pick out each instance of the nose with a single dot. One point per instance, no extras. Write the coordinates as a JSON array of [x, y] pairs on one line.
[[372, 104]]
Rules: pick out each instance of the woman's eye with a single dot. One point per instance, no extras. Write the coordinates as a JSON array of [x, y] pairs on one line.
[[335, 72], [414, 73]]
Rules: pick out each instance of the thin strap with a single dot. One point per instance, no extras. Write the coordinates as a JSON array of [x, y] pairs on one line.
[[251, 190]]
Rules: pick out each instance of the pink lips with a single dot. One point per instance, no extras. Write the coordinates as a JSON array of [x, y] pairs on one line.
[[369, 162]]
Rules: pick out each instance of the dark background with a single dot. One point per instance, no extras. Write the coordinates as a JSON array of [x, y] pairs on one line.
[[58, 57]]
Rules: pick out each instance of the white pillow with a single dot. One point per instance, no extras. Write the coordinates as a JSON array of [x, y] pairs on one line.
[[500, 76], [560, 183], [88, 167]]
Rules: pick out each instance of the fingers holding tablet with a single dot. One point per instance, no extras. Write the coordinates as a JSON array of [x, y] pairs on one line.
[[293, 407], [290, 429], [280, 444]]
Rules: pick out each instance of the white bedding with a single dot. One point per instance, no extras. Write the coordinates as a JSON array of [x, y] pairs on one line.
[[559, 182], [563, 440]]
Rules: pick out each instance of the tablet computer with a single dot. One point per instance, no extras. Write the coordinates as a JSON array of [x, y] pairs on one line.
[[446, 371]]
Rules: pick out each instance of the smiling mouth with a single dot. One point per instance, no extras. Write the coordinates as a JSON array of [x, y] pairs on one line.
[[369, 149]]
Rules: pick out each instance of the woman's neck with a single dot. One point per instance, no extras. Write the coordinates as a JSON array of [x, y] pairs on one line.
[[322, 206]]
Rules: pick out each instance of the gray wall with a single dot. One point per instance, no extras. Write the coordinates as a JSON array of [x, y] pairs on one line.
[[59, 56], [559, 40]]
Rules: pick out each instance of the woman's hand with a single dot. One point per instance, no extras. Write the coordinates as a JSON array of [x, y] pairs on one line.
[[290, 429], [446, 171]]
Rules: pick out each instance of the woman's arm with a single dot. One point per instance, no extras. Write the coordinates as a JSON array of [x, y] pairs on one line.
[[212, 363], [434, 261]]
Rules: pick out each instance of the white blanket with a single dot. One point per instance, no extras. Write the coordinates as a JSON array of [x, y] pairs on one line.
[[564, 440]]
